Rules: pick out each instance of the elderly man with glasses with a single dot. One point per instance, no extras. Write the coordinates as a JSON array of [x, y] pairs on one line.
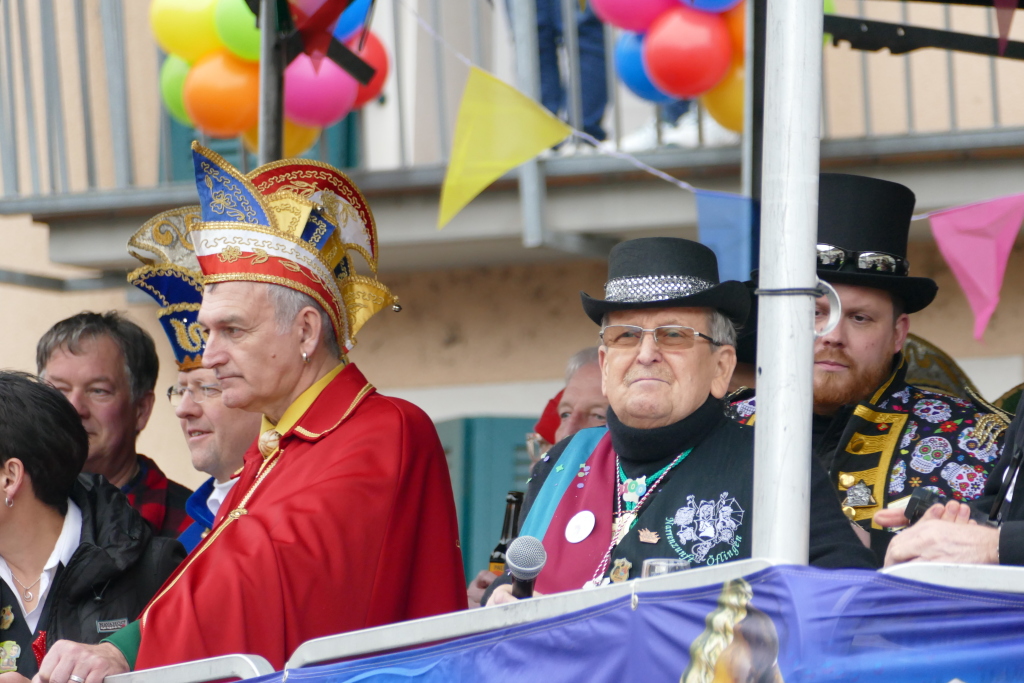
[[879, 437], [217, 436], [670, 476]]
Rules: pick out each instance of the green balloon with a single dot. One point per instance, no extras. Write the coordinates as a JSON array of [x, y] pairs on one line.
[[236, 28], [172, 86]]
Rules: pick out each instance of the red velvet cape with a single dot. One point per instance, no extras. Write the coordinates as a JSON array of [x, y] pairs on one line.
[[352, 526]]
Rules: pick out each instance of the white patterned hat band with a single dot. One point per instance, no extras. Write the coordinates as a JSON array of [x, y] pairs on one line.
[[647, 288]]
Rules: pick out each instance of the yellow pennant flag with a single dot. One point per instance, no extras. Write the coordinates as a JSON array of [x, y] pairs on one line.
[[498, 128]]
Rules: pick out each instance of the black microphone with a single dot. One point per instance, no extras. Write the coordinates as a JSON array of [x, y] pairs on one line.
[[525, 558]]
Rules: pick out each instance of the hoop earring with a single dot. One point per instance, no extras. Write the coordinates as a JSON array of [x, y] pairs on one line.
[[305, 358], [8, 502]]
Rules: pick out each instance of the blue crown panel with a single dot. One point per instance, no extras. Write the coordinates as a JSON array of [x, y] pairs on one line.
[[184, 332], [318, 229], [222, 196]]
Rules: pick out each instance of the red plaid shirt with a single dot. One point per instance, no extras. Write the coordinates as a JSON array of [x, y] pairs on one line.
[[160, 501]]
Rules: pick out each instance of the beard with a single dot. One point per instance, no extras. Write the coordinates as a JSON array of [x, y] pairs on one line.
[[832, 390]]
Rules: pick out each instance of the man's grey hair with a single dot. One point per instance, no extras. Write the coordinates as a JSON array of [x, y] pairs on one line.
[[289, 302], [721, 328], [141, 364], [578, 360]]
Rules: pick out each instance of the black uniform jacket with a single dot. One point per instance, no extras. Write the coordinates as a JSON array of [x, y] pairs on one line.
[[702, 511]]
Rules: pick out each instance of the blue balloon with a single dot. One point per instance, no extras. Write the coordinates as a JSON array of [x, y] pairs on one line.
[[629, 64], [351, 20], [712, 6]]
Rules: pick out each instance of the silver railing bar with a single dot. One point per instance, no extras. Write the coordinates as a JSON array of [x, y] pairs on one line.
[[993, 72], [30, 107], [976, 577], [117, 91], [8, 141], [612, 84], [865, 85], [574, 83], [442, 91], [399, 70], [56, 140], [200, 671], [950, 71], [908, 73], [532, 183], [81, 38]]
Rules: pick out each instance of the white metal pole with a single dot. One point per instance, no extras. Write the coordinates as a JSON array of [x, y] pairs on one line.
[[786, 325]]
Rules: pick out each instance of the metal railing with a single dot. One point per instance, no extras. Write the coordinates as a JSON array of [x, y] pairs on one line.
[[80, 108]]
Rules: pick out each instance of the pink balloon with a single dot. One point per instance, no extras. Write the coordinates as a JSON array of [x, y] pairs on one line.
[[318, 99], [631, 15]]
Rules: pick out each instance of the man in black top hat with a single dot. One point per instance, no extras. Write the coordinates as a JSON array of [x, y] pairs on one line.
[[879, 437], [670, 476]]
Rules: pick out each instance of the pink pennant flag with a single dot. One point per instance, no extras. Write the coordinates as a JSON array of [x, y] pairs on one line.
[[1004, 18], [976, 241]]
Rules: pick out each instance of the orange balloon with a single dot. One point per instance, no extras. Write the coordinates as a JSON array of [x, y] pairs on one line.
[[736, 20], [222, 94], [725, 101], [297, 138]]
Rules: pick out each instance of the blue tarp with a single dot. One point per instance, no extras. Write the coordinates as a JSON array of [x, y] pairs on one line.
[[782, 624]]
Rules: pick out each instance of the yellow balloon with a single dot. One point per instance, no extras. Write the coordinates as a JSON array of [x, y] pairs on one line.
[[297, 138], [725, 101], [185, 27]]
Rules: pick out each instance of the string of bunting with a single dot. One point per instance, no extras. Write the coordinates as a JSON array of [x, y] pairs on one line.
[[498, 128]]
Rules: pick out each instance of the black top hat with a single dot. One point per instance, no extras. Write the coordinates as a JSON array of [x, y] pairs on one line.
[[861, 214], [663, 272]]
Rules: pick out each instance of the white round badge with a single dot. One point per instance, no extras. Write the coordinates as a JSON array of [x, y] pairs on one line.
[[580, 526]]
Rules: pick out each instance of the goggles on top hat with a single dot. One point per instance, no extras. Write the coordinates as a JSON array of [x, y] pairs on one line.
[[834, 258]]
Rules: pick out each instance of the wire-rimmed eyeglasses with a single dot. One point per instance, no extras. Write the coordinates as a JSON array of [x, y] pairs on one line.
[[665, 336], [199, 393]]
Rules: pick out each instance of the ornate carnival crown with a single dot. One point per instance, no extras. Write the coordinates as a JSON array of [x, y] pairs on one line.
[[296, 223], [171, 275]]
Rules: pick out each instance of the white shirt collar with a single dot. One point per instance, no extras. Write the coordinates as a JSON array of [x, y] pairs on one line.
[[218, 494], [67, 543]]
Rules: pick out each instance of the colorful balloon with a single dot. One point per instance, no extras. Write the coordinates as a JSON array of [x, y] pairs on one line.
[[715, 6], [297, 138], [222, 94], [172, 81], [185, 27], [237, 29], [629, 64], [321, 98], [374, 54], [351, 20], [725, 101], [736, 21], [631, 15], [687, 52]]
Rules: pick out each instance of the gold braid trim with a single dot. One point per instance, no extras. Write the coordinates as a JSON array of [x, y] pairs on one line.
[[989, 428]]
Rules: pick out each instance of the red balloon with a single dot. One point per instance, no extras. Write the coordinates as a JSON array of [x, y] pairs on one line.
[[687, 52], [374, 54]]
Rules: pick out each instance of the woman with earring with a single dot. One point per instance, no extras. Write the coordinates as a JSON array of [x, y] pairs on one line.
[[76, 561]]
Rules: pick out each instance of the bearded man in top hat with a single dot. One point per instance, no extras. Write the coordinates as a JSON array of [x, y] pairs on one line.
[[343, 516], [671, 475], [879, 437]]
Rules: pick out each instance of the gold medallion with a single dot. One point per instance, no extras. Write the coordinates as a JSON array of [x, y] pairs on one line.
[[648, 536], [620, 570]]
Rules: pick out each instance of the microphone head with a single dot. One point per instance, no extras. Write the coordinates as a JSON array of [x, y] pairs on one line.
[[525, 558]]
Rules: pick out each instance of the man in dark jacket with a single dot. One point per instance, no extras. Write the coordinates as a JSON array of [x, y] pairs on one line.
[[77, 561], [880, 437], [671, 475]]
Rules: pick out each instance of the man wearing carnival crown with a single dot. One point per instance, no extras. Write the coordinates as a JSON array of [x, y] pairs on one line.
[[671, 476], [343, 516], [217, 436]]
